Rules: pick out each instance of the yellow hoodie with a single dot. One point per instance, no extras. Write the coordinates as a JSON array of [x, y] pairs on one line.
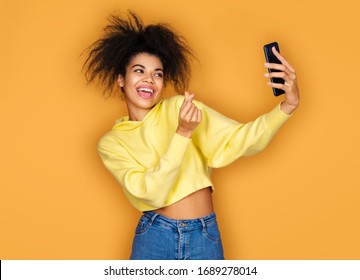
[[157, 167]]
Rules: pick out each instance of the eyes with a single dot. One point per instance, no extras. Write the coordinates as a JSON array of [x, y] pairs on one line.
[[157, 74]]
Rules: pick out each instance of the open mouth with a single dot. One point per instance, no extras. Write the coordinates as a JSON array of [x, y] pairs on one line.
[[145, 92]]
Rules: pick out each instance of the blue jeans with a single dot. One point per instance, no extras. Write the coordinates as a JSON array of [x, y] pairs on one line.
[[160, 238]]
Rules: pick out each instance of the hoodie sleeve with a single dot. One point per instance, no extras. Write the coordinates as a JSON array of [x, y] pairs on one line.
[[151, 185], [223, 140]]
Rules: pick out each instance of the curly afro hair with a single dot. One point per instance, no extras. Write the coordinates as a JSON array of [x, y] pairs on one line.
[[125, 38]]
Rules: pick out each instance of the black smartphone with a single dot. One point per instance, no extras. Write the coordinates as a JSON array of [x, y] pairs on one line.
[[271, 58]]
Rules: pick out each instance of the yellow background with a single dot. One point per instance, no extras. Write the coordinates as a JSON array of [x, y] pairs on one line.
[[299, 199]]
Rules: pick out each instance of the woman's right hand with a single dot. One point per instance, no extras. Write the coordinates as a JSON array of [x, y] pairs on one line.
[[189, 116]]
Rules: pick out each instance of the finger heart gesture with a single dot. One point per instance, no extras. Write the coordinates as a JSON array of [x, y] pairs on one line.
[[189, 116]]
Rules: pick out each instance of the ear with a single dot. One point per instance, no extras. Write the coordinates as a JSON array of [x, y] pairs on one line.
[[120, 80]]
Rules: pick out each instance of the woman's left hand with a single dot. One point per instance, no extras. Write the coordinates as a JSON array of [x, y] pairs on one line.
[[287, 72]]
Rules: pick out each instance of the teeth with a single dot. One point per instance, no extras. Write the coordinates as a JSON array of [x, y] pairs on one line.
[[146, 89]]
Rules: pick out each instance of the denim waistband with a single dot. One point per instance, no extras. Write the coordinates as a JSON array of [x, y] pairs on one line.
[[184, 224]]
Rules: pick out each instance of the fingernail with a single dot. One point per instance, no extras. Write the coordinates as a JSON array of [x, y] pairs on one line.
[[266, 64], [266, 74]]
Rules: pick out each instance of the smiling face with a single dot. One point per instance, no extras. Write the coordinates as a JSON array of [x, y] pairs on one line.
[[142, 84]]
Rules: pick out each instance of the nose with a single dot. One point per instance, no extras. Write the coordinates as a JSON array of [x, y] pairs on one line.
[[149, 79]]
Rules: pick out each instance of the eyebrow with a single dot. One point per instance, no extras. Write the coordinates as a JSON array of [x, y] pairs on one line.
[[142, 66]]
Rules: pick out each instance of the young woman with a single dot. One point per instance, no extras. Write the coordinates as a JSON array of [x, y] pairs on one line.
[[163, 151]]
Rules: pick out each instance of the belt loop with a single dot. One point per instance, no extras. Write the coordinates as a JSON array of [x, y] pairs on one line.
[[153, 217], [203, 223]]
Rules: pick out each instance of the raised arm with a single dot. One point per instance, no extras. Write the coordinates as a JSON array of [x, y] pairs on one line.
[[151, 184], [223, 140]]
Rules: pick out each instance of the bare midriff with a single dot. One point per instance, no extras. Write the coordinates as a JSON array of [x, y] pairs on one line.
[[195, 205]]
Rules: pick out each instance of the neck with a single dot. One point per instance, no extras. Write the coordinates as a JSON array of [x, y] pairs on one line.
[[137, 115]]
